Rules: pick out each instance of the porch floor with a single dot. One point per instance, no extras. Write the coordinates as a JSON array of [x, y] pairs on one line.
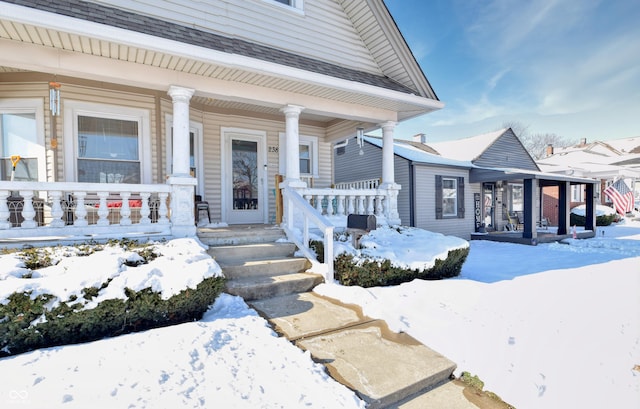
[[544, 236]]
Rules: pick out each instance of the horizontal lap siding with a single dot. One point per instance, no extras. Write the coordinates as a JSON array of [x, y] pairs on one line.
[[401, 176], [425, 205], [323, 31], [506, 152], [351, 166]]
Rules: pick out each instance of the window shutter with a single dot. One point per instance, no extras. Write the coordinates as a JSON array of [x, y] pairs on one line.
[[461, 197], [438, 197]]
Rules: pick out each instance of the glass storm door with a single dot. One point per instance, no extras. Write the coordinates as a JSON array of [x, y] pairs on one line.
[[244, 190], [487, 205]]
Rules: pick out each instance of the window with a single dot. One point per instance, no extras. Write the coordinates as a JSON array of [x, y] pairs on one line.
[[308, 156], [106, 144], [577, 193], [294, 4], [449, 197], [21, 133], [108, 150], [517, 197]]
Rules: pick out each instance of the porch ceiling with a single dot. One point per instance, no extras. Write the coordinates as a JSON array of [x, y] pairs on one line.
[[146, 50]]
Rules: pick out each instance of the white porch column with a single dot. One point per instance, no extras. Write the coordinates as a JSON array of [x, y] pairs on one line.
[[180, 97], [292, 148], [388, 173], [181, 181]]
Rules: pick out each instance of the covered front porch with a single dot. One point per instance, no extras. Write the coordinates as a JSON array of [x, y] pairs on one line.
[[521, 220]]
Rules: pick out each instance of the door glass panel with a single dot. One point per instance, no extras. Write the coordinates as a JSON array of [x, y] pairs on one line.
[[245, 174], [488, 205]]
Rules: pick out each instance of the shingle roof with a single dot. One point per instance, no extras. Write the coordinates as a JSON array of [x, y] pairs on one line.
[[114, 17]]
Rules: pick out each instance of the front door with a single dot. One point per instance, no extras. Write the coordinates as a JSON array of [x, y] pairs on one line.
[[244, 191]]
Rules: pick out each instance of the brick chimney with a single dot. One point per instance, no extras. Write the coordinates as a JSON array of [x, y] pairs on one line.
[[549, 150], [422, 138]]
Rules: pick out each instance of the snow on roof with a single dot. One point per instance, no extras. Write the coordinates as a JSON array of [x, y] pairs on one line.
[[626, 145], [415, 154], [467, 149]]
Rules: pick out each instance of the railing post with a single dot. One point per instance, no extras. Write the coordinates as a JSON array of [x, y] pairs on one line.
[[162, 209], [183, 222]]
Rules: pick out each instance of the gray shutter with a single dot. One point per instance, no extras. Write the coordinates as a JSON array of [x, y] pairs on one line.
[[438, 197], [460, 197]]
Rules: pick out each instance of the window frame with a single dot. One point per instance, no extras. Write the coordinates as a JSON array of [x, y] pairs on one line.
[[312, 142], [74, 109], [197, 129], [25, 106], [439, 197], [293, 5]]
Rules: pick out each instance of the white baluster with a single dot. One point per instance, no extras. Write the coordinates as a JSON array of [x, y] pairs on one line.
[[361, 204], [319, 203], [81, 211], [379, 208], [351, 207], [125, 210], [370, 204], [56, 209], [28, 212], [341, 205], [330, 205], [144, 210], [103, 209], [162, 210], [4, 210]]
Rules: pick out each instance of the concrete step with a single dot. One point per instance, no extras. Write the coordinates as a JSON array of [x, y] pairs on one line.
[[264, 267], [236, 254], [383, 367], [261, 287], [243, 234]]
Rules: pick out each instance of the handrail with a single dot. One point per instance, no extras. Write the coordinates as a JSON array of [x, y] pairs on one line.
[[296, 204]]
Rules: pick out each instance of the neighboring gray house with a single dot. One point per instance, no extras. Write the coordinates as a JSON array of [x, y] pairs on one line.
[[464, 187]]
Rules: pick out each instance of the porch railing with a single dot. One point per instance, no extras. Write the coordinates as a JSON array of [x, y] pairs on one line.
[[359, 184], [41, 209], [343, 202], [299, 214]]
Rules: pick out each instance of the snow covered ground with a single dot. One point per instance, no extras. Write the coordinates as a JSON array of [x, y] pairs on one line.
[[556, 325]]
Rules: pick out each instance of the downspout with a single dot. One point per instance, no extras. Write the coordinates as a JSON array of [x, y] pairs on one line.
[[412, 187]]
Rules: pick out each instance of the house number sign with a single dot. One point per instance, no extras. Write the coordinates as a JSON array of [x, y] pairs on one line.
[[273, 149]]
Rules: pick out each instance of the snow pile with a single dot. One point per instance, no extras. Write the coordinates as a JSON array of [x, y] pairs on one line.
[[405, 247], [601, 210], [231, 359], [183, 263]]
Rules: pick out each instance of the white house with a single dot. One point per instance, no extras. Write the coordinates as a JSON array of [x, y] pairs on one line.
[[138, 105]]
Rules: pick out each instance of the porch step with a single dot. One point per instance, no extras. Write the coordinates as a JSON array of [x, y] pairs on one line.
[[240, 234], [255, 265]]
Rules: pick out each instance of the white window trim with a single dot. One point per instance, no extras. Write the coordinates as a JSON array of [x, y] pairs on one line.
[[311, 141], [28, 105], [197, 129], [73, 109], [295, 6], [455, 188]]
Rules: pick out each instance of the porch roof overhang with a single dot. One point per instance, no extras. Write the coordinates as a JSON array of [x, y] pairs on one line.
[[479, 175], [38, 40]]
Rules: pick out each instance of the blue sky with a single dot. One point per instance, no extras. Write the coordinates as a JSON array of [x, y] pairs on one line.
[[569, 67]]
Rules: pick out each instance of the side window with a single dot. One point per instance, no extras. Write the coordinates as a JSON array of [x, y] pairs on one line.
[[294, 4], [308, 155], [21, 124], [449, 197]]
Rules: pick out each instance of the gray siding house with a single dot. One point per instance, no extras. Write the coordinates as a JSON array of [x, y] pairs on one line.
[[474, 187]]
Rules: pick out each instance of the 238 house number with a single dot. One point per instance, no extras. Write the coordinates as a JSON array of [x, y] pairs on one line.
[[273, 149]]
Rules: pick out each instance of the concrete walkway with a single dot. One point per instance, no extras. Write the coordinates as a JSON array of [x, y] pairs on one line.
[[386, 369]]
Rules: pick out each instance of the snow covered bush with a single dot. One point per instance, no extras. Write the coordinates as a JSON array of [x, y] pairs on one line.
[[116, 289], [391, 256], [604, 216]]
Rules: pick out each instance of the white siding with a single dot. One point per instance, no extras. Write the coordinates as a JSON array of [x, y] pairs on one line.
[[425, 202], [322, 31]]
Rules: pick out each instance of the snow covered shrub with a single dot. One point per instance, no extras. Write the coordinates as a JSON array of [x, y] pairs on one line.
[[373, 273], [27, 324], [603, 220]]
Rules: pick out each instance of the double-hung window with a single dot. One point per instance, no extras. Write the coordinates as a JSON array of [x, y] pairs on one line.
[[21, 134], [106, 144], [449, 197]]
